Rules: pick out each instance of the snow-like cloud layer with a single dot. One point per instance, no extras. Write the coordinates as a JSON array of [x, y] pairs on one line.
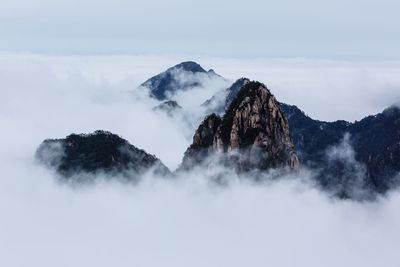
[[188, 222]]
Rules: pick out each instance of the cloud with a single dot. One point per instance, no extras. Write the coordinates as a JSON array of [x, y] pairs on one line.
[[189, 222], [348, 176], [184, 222]]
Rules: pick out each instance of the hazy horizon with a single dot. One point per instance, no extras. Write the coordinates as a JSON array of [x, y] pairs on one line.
[[356, 30]]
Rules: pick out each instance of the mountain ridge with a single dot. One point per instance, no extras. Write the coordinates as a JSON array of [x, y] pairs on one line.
[[375, 140], [182, 76]]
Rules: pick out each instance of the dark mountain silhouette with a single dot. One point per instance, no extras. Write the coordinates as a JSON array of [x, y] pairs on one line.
[[97, 152], [169, 107], [312, 137], [183, 76], [253, 134], [374, 142]]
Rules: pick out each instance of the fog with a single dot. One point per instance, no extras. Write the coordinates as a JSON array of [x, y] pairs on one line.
[[188, 221]]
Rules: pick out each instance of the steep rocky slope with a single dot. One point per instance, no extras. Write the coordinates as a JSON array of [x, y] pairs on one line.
[[363, 156], [253, 133], [219, 102]]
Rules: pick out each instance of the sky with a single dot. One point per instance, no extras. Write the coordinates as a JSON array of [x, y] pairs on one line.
[[350, 30]]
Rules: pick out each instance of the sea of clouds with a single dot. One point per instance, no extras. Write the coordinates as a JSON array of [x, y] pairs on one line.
[[187, 221]]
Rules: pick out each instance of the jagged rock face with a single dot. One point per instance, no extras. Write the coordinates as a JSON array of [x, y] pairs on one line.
[[97, 152], [253, 133], [204, 136], [220, 102], [203, 140], [183, 76], [374, 142], [234, 90]]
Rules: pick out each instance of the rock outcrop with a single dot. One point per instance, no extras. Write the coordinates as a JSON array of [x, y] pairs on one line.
[[348, 158], [203, 142], [97, 152], [183, 76], [253, 133], [220, 102]]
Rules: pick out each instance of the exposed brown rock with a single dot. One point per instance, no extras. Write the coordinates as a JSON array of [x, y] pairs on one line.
[[253, 133], [203, 140]]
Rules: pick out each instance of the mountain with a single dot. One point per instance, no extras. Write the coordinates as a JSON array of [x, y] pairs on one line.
[[169, 107], [350, 159], [219, 102], [234, 90], [369, 148], [253, 134], [96, 152], [311, 137], [183, 76]]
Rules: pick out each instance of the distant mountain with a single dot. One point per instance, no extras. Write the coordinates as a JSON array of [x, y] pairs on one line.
[[97, 152], [312, 137], [253, 134], [168, 107], [373, 146], [183, 76]]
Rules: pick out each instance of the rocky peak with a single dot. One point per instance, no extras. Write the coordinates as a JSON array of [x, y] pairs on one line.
[[182, 76], [204, 135], [374, 143], [189, 66], [253, 132], [220, 101], [203, 140], [234, 90]]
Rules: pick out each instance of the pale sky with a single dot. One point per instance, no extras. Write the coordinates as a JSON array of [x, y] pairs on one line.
[[351, 30]]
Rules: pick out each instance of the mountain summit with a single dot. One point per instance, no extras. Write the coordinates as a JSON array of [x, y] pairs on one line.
[[183, 76], [220, 101], [253, 133], [98, 152], [189, 66]]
